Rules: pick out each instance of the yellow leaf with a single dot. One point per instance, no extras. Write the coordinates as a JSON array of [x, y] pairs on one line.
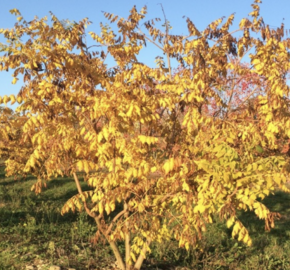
[[100, 137], [101, 208], [105, 132], [230, 222], [185, 186], [86, 167], [14, 11], [83, 131], [107, 209], [135, 172], [12, 99], [171, 163], [199, 208], [32, 161], [141, 207], [80, 165], [6, 99], [236, 229], [36, 153], [133, 256], [19, 99], [168, 165], [242, 23], [14, 80], [112, 206]]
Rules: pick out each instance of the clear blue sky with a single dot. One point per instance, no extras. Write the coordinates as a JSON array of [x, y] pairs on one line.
[[201, 12]]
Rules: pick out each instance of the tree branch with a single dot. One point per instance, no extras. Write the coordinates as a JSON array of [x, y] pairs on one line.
[[142, 254], [114, 220], [97, 219], [166, 41], [89, 212]]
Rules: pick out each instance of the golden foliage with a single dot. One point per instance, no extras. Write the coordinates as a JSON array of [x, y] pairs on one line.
[[175, 148]]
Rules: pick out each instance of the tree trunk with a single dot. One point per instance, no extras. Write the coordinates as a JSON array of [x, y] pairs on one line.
[[113, 245], [127, 239], [141, 257], [117, 254]]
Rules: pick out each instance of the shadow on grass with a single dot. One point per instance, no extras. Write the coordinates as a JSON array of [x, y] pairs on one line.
[[11, 181], [17, 201], [2, 172], [280, 234], [23, 213]]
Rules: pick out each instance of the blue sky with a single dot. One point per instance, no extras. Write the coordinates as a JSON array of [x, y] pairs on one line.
[[201, 12]]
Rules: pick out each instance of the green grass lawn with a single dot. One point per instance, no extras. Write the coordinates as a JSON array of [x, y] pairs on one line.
[[32, 231]]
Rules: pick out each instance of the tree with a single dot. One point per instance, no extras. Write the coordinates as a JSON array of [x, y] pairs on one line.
[[163, 152]]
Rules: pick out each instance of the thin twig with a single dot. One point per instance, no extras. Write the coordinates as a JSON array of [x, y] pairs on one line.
[[89, 212], [114, 220], [150, 40], [166, 41]]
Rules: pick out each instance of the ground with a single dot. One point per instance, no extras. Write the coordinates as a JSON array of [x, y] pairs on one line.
[[33, 233]]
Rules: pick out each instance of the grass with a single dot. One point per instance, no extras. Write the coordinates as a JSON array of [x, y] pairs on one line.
[[32, 229], [32, 232]]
